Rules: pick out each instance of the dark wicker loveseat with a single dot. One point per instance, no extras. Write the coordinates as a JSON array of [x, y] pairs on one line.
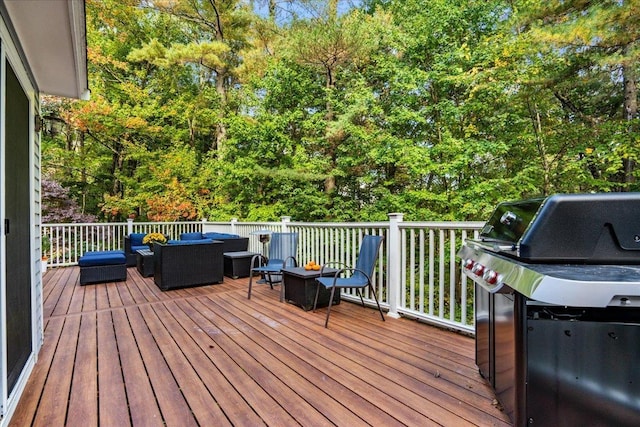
[[181, 265]]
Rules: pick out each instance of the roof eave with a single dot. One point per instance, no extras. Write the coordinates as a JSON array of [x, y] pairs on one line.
[[52, 37]]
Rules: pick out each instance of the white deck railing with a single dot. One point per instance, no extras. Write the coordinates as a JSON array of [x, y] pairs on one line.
[[418, 275]]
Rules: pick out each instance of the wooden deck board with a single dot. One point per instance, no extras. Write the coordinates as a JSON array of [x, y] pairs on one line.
[[177, 357], [395, 365], [265, 389], [314, 364], [83, 403], [224, 379], [301, 398], [52, 408], [112, 396], [127, 353]]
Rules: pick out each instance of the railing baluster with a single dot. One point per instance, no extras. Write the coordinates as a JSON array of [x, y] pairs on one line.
[[452, 276], [412, 271], [432, 273], [463, 287]]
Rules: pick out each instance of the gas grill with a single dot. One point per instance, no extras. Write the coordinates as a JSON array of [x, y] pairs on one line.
[[557, 294]]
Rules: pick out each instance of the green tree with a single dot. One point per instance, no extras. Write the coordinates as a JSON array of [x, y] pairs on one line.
[[334, 45], [596, 82], [216, 34], [436, 108]]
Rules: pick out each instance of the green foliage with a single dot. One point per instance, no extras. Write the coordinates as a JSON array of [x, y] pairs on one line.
[[435, 108]]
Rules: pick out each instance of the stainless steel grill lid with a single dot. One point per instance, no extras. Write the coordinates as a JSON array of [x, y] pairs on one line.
[[568, 228]]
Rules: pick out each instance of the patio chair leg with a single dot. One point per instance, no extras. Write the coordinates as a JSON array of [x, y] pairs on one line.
[[326, 322], [360, 295], [377, 303], [315, 301]]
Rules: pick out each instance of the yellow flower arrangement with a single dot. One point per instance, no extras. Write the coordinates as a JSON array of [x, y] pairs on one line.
[[153, 237]]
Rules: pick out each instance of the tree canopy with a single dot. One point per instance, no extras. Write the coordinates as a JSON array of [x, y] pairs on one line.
[[337, 110]]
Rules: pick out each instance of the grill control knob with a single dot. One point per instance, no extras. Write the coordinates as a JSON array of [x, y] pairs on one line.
[[478, 269], [468, 264], [491, 277]]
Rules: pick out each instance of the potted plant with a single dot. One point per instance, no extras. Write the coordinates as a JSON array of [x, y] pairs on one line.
[[151, 238]]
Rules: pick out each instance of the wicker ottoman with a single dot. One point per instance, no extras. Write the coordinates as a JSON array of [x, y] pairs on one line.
[[102, 266]]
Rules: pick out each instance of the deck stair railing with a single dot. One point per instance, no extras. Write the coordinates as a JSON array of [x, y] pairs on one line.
[[418, 274]]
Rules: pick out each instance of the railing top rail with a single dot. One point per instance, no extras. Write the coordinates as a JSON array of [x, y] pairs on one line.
[[84, 224], [339, 224], [247, 223], [78, 224], [404, 224], [459, 225]]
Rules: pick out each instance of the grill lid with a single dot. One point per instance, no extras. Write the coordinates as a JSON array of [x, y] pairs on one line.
[[510, 220], [601, 228]]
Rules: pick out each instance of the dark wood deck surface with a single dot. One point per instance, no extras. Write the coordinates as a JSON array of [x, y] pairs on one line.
[[120, 354]]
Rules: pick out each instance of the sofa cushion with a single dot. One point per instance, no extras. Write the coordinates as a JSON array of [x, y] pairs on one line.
[[189, 242], [218, 236], [99, 253], [191, 236], [90, 259], [136, 239]]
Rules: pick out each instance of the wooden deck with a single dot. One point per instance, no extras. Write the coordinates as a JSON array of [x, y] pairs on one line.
[[125, 353]]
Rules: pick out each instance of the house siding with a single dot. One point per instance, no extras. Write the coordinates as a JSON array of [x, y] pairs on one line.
[[37, 220]]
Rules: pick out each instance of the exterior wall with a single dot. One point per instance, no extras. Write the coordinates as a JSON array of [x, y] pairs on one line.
[[37, 232], [8, 400]]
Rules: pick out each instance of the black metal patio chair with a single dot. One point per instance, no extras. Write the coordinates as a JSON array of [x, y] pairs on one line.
[[360, 276], [281, 253]]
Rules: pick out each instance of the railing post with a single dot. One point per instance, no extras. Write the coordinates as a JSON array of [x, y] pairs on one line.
[[285, 221], [203, 222], [234, 221], [129, 226], [394, 285]]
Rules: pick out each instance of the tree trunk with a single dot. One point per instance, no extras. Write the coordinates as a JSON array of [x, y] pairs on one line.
[[630, 113], [83, 172], [221, 129], [332, 140], [221, 86], [542, 149], [116, 167]]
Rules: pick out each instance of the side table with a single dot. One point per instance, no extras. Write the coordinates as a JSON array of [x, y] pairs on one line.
[[144, 264], [300, 287], [238, 264]]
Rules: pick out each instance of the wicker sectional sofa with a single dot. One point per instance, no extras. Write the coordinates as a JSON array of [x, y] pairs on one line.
[[184, 264], [232, 242], [132, 243]]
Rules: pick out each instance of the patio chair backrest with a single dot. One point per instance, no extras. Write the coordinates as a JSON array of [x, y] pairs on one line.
[[368, 256], [283, 246]]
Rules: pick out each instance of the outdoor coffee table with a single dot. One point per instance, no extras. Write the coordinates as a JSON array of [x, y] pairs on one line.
[[144, 258], [300, 287]]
